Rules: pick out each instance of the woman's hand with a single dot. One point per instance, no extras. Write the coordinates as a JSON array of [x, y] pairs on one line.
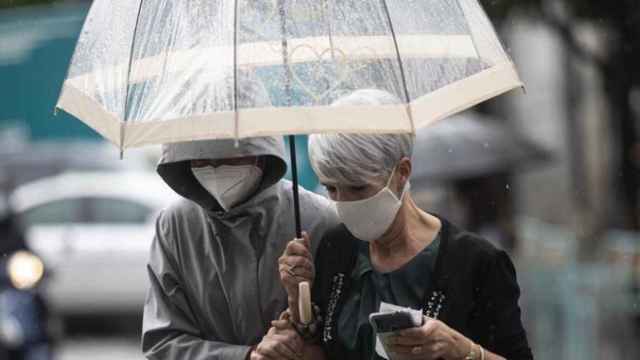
[[281, 342], [296, 266], [433, 340]]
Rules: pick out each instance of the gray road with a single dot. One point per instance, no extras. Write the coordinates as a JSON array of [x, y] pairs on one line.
[[99, 349]]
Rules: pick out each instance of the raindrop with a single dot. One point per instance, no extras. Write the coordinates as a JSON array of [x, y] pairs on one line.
[[508, 187], [486, 145], [450, 150]]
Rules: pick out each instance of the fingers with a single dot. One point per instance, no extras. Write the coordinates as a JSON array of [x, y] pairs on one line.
[[296, 264], [306, 240], [271, 349], [281, 345], [296, 261], [296, 268], [431, 346], [281, 325], [291, 282], [429, 351], [424, 342], [291, 340], [256, 356], [412, 347], [286, 315], [405, 341], [300, 247], [284, 322], [429, 327]]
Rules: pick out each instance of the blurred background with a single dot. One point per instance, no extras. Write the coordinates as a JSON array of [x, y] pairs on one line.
[[551, 176]]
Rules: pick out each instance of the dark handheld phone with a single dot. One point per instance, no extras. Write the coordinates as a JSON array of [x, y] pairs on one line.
[[384, 322]]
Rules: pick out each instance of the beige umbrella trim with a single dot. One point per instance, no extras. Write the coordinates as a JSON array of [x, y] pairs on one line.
[[425, 110]]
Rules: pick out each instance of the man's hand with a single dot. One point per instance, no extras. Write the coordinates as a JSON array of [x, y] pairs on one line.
[[311, 351], [281, 342], [296, 266]]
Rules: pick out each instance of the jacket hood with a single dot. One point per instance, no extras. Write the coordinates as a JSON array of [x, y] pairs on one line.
[[175, 164]]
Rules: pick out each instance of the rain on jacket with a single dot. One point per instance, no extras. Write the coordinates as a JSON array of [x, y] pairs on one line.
[[214, 282]]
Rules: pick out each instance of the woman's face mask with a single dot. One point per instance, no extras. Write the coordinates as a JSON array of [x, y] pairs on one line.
[[370, 218], [229, 184]]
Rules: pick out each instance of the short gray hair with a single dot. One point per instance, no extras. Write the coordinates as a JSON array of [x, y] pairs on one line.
[[359, 159]]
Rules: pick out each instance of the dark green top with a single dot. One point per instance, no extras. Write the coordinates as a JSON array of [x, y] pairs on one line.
[[404, 287], [475, 283]]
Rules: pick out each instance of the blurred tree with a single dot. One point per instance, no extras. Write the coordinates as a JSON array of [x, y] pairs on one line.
[[16, 3], [618, 63], [12, 3]]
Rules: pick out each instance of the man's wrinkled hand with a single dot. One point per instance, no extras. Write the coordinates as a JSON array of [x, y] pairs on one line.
[[281, 342]]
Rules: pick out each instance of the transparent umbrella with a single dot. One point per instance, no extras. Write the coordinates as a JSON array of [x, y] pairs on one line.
[[160, 71], [156, 71]]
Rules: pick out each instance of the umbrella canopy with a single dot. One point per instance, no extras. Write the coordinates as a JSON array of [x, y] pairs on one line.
[[158, 71], [469, 145]]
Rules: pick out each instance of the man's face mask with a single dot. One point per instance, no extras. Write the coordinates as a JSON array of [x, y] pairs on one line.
[[229, 184]]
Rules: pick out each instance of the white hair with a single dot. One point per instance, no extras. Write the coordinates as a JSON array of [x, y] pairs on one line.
[[359, 159]]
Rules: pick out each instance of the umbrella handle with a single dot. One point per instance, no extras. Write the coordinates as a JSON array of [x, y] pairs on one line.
[[304, 303]]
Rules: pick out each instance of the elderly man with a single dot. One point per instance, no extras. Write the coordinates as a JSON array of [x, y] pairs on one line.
[[213, 268]]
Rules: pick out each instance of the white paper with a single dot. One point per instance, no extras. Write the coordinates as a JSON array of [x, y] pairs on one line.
[[381, 338]]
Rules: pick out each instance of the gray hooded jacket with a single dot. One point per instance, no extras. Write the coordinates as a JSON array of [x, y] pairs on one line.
[[214, 282]]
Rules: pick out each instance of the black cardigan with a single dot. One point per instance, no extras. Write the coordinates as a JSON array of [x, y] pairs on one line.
[[474, 291]]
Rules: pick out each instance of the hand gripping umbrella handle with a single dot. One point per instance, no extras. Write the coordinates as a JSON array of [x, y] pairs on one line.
[[304, 303]]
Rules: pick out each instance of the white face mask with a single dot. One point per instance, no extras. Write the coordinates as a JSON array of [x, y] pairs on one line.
[[229, 184], [370, 218]]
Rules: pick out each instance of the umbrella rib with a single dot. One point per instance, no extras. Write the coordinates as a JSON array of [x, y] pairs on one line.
[[401, 64], [285, 51], [126, 94], [327, 16], [235, 72]]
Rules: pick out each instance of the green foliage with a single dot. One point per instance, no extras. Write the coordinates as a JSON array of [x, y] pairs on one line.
[[612, 13], [620, 18], [498, 10], [14, 3]]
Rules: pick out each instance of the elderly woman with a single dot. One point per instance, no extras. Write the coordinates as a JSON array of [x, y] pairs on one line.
[[388, 250]]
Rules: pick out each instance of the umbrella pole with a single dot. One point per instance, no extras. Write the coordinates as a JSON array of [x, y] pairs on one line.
[[292, 139], [304, 302], [294, 176], [305, 313]]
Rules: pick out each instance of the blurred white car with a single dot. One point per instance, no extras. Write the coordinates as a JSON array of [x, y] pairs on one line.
[[93, 231]]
